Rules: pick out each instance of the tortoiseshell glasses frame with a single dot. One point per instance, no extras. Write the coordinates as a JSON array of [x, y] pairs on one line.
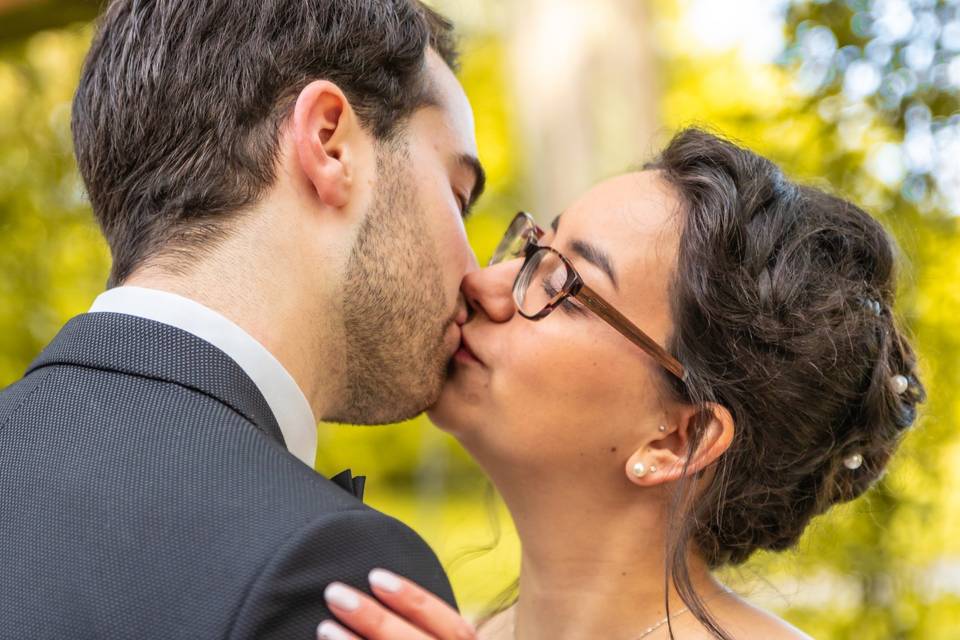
[[521, 241]]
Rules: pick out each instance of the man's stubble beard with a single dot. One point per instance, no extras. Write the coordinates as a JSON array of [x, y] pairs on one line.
[[395, 312]]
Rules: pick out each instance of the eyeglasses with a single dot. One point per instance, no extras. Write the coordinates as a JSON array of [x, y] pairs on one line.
[[547, 279]]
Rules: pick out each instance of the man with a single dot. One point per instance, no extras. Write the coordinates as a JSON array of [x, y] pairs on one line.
[[281, 185]]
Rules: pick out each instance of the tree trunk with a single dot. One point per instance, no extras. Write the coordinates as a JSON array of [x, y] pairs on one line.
[[586, 82]]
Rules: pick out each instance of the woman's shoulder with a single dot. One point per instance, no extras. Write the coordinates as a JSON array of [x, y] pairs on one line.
[[738, 617], [744, 621], [768, 625], [499, 626]]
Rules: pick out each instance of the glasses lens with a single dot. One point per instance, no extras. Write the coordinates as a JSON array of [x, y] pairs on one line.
[[514, 240], [540, 281]]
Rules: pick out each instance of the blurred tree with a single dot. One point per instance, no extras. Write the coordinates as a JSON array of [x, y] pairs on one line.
[[884, 76], [52, 260], [586, 109], [20, 18]]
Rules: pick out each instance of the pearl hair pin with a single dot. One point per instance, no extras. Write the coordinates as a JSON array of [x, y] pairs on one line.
[[900, 384], [872, 305], [853, 462]]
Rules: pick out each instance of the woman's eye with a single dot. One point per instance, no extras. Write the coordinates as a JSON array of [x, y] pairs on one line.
[[567, 304]]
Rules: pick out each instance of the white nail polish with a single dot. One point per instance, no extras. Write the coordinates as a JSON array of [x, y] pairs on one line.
[[340, 596], [383, 579], [329, 631]]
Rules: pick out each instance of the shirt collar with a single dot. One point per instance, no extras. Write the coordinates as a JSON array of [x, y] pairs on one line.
[[285, 398]]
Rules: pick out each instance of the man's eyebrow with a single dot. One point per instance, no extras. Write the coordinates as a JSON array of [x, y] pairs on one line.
[[479, 178], [597, 257]]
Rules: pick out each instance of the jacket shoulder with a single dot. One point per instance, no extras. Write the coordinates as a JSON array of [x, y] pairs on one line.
[[286, 598]]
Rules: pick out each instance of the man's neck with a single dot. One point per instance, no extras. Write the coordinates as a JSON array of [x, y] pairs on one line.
[[275, 310]]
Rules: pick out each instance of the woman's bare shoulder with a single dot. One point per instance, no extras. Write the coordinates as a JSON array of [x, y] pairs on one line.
[[739, 618], [769, 625], [743, 621], [498, 627]]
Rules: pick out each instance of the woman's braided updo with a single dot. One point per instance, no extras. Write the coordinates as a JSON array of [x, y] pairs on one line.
[[782, 306]]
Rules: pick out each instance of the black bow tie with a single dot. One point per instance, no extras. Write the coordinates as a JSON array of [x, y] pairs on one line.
[[348, 483]]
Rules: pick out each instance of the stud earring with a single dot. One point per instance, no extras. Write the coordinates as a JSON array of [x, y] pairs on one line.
[[639, 469], [653, 468], [662, 428]]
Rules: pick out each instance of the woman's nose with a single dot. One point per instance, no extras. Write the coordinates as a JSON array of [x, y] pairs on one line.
[[490, 290]]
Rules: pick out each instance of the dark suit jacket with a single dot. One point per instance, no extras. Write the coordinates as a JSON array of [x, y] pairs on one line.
[[145, 492]]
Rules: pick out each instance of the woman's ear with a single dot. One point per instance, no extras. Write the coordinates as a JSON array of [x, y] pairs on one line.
[[663, 459], [323, 124]]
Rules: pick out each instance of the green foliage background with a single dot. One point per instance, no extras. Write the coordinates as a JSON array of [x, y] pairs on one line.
[[886, 566]]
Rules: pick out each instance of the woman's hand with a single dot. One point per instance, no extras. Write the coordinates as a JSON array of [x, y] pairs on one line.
[[405, 612]]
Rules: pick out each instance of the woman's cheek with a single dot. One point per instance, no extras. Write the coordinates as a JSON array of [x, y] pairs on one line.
[[540, 376]]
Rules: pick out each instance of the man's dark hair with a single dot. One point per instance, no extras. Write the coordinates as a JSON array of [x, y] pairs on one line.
[[177, 116]]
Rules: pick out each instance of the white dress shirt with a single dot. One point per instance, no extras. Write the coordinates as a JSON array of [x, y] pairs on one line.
[[283, 395]]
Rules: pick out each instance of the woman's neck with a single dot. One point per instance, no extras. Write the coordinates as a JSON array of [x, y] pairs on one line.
[[593, 565]]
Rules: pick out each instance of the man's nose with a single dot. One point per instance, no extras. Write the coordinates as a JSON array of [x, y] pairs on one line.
[[490, 291]]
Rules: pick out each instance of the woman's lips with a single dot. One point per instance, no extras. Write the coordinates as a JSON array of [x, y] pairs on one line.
[[465, 353]]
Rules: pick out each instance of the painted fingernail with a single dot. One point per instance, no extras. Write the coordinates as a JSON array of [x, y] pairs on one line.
[[342, 597], [383, 579], [330, 631]]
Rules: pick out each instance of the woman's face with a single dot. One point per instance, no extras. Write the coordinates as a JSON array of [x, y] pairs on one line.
[[569, 389]]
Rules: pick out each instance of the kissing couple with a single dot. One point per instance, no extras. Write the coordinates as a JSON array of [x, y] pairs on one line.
[[686, 366]]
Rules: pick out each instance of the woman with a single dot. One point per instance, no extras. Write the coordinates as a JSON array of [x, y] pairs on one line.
[[632, 470]]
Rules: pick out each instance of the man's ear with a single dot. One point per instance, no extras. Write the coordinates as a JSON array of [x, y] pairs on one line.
[[323, 123], [663, 460]]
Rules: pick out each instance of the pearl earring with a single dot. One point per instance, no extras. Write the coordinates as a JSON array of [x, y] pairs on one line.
[[639, 470], [662, 428]]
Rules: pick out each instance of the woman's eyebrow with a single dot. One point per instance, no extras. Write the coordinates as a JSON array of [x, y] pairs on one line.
[[597, 257], [592, 254]]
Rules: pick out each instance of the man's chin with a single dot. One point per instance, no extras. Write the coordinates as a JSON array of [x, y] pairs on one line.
[[447, 413], [424, 394], [374, 409], [439, 418]]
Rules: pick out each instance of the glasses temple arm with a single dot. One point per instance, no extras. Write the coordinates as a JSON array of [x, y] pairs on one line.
[[593, 301]]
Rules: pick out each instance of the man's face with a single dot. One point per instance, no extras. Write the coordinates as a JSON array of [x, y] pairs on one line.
[[402, 303]]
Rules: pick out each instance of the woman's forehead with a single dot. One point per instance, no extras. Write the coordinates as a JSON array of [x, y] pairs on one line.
[[634, 220], [624, 214]]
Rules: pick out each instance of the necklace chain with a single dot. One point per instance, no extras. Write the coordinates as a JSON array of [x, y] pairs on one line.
[[650, 630]]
